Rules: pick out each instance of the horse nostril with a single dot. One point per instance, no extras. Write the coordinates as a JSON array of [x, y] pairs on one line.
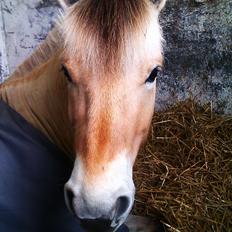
[[69, 196], [122, 206]]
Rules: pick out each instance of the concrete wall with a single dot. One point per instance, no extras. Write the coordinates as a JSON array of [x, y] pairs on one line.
[[23, 24], [198, 52], [198, 47]]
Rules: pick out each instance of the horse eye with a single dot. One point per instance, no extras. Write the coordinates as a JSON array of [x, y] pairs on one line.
[[153, 75], [66, 73]]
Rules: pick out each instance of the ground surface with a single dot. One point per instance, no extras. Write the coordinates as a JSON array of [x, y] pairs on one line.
[[198, 46]]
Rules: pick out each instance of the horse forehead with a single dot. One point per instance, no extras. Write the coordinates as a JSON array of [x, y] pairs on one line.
[[139, 59], [141, 49]]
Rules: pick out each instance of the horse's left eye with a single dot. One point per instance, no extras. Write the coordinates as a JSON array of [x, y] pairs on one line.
[[66, 73], [153, 75]]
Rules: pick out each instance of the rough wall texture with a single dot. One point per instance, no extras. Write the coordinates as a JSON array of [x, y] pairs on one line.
[[198, 47], [23, 24], [198, 54]]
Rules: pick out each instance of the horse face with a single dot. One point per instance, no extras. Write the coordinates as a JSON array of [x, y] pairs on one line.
[[111, 111]]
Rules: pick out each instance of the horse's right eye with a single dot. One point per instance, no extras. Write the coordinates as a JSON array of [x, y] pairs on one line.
[[66, 73], [153, 75]]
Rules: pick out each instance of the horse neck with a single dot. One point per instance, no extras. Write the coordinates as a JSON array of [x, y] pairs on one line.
[[41, 98]]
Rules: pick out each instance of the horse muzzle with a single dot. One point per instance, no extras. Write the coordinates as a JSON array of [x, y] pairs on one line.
[[104, 202], [99, 217]]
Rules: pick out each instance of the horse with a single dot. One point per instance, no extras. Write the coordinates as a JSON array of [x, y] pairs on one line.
[[90, 88]]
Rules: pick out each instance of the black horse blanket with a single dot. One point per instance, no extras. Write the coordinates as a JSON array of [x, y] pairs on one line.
[[32, 175]]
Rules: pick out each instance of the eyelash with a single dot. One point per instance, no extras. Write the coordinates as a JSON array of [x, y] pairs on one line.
[[66, 73]]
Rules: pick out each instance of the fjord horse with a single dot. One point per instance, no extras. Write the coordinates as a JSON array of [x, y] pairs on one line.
[[90, 88]]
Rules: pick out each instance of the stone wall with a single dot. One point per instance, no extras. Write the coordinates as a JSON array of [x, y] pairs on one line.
[[198, 52], [198, 48]]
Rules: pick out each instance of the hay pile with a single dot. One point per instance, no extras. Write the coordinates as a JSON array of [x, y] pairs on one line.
[[184, 173]]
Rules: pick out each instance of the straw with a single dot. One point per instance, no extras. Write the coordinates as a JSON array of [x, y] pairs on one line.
[[184, 173]]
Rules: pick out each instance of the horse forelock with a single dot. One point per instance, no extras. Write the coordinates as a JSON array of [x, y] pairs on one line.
[[105, 34]]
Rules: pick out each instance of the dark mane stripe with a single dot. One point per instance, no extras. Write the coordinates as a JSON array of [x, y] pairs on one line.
[[99, 30]]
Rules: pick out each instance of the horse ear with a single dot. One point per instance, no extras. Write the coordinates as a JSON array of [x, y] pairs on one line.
[[66, 3], [160, 4]]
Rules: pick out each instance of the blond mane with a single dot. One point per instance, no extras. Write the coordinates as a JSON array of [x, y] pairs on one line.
[[98, 33]]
